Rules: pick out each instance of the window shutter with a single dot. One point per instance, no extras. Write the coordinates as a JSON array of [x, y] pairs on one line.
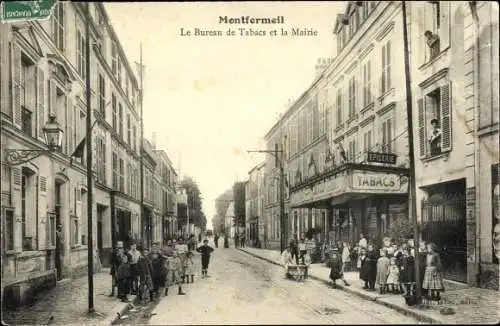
[[4, 73], [421, 128], [384, 136], [16, 202], [389, 135], [444, 24], [420, 47], [41, 101], [71, 126], [42, 209], [388, 63], [52, 97], [78, 202], [16, 89], [382, 77], [446, 138]]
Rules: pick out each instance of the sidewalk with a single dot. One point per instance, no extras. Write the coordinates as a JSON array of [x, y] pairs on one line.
[[471, 305], [67, 303]]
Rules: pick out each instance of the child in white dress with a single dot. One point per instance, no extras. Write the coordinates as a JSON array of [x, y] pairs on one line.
[[393, 278]]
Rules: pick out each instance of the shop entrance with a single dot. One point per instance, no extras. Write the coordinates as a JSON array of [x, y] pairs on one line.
[[444, 223]]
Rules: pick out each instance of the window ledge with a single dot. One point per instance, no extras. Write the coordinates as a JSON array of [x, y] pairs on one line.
[[487, 130], [367, 108], [429, 158], [382, 97], [78, 247], [339, 127], [28, 254]]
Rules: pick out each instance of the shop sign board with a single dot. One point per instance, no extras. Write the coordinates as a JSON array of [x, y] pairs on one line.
[[376, 181], [386, 158], [320, 190]]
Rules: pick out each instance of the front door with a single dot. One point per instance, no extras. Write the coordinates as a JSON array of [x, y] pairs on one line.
[[100, 212]]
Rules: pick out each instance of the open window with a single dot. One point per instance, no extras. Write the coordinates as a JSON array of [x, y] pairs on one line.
[[434, 122]]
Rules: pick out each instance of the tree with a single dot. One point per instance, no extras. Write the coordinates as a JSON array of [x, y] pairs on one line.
[[221, 205], [239, 203], [195, 204]]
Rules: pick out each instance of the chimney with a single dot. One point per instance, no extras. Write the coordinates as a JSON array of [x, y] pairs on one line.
[[153, 140], [321, 65]]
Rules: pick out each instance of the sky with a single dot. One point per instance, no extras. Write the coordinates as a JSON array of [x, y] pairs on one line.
[[209, 99]]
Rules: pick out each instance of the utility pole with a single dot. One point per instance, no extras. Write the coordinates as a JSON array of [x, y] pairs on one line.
[[411, 185], [90, 246], [283, 228], [187, 213], [141, 147]]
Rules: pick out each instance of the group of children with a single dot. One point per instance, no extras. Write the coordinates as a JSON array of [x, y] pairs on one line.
[[144, 273], [392, 268]]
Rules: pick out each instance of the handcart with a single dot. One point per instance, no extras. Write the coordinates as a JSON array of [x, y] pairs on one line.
[[297, 272]]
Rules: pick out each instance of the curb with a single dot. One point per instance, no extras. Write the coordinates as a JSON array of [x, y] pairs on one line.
[[124, 310], [408, 312]]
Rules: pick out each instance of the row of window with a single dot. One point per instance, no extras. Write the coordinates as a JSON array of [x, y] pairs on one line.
[[118, 124], [59, 23], [353, 22], [312, 121]]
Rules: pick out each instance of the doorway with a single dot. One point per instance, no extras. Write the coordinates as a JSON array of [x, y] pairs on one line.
[[59, 231], [100, 249]]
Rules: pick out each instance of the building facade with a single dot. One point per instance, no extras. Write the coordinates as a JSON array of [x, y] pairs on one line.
[[455, 87], [253, 198], [44, 196], [168, 184]]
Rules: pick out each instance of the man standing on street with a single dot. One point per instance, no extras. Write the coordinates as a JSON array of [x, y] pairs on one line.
[[205, 251], [216, 240]]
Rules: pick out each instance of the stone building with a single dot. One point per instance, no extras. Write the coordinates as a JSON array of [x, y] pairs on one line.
[[344, 138], [254, 198], [44, 193], [168, 183], [455, 83]]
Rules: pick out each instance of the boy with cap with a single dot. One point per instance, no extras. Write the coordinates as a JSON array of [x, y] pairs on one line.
[[205, 251], [115, 260]]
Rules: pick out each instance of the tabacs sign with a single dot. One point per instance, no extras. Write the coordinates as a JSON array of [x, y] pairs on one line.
[[26, 10]]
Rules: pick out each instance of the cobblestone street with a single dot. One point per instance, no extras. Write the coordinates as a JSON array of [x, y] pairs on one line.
[[246, 290]]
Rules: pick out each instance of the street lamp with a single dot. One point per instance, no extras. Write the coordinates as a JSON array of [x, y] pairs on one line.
[[53, 139], [279, 161]]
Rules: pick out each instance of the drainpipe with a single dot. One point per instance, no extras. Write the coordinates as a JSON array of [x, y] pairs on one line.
[[477, 103]]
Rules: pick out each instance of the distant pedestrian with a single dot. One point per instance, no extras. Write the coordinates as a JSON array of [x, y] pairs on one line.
[[216, 241], [242, 240], [205, 251], [346, 259], [226, 241], [236, 240], [199, 237]]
